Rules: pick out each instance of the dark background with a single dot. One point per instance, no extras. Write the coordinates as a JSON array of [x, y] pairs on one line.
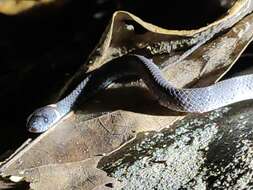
[[41, 49]]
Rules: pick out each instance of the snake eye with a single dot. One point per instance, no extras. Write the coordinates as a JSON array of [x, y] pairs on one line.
[[45, 120]]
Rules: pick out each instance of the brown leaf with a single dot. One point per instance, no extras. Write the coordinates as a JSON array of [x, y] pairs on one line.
[[12, 7], [75, 175], [126, 33], [122, 36]]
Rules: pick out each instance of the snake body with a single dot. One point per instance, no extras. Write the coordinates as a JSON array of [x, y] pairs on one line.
[[194, 100]]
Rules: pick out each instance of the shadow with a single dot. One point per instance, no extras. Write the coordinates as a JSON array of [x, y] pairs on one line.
[[132, 98]]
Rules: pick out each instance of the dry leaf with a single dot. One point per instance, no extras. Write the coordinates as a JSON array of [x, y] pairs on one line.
[[127, 33], [75, 175], [12, 7], [103, 125]]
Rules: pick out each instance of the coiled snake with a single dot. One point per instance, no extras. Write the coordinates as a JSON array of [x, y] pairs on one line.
[[196, 100]]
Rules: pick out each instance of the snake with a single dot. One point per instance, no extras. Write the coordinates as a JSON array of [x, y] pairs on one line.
[[190, 100]]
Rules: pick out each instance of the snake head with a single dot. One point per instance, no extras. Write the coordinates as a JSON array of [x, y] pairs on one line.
[[42, 119]]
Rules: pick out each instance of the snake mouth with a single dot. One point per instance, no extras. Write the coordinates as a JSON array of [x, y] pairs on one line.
[[34, 130]]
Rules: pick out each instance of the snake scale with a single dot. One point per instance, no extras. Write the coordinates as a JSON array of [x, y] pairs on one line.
[[194, 100]]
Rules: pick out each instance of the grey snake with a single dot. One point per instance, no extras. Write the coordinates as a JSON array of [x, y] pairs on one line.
[[194, 100]]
